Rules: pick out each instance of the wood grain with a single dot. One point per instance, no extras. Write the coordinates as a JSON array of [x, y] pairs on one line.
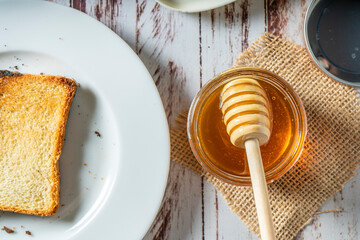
[[285, 18], [226, 32], [184, 51]]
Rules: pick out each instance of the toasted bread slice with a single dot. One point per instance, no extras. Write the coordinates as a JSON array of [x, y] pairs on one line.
[[33, 114]]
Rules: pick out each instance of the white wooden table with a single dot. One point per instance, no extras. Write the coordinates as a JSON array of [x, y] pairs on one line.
[[182, 52]]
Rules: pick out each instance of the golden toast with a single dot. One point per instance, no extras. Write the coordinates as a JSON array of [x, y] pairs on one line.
[[33, 114]]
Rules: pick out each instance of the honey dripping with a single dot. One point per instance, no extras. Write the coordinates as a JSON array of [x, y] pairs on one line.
[[216, 142]]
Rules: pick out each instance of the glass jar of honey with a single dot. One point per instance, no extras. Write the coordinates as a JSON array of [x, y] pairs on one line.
[[211, 144]]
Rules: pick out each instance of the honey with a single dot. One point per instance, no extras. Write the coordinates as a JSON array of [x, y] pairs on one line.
[[216, 141], [211, 144]]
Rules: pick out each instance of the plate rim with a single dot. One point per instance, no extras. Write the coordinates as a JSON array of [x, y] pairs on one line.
[[206, 7]]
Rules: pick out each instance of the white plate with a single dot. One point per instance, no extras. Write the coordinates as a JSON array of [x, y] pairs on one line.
[[193, 5], [118, 193]]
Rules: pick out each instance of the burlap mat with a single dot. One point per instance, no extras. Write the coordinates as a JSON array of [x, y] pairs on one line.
[[330, 157]]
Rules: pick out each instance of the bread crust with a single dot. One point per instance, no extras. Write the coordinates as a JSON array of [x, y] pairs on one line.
[[71, 85]]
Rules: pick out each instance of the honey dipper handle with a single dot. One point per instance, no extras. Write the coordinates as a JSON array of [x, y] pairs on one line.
[[260, 189]]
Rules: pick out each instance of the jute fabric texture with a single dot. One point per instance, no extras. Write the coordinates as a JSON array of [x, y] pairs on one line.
[[331, 153]]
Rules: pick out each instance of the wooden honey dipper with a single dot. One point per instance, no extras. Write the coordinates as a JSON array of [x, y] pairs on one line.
[[245, 108]]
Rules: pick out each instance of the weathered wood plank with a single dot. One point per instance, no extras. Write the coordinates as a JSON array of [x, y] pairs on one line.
[[161, 37], [226, 32], [342, 225], [286, 18]]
